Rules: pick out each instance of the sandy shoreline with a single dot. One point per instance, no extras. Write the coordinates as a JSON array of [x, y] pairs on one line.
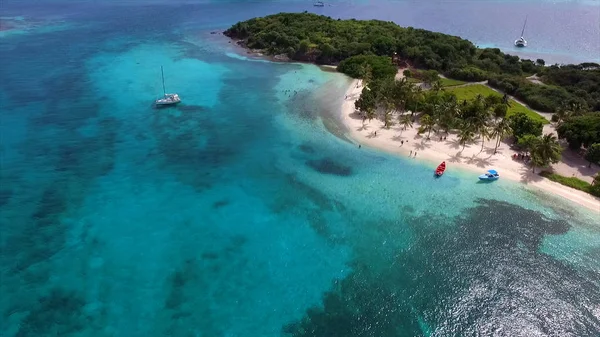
[[374, 135]]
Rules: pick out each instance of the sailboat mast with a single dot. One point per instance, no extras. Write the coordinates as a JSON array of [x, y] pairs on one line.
[[523, 31], [163, 80]]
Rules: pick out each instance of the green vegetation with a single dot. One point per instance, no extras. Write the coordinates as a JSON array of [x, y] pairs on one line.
[[545, 151], [320, 39], [581, 80], [430, 77], [480, 117], [448, 82], [469, 92], [373, 50], [523, 125], [540, 97], [581, 130], [573, 182], [592, 154], [362, 66]]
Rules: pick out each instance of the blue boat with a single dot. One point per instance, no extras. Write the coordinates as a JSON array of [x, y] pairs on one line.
[[490, 175]]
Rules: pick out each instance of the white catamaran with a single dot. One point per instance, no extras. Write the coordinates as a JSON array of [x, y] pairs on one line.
[[168, 99], [521, 42]]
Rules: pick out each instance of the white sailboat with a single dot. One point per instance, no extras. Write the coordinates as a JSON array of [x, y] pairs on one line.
[[168, 99], [521, 42]]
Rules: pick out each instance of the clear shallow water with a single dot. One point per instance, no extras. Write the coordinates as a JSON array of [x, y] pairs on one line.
[[239, 213]]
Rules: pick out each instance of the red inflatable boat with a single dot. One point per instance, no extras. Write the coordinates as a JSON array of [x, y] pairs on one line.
[[440, 169]]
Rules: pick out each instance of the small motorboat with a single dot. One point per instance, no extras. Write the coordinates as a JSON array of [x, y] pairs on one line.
[[440, 169], [490, 175], [319, 4]]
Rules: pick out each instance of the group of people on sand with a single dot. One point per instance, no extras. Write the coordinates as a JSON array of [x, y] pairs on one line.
[[520, 156]]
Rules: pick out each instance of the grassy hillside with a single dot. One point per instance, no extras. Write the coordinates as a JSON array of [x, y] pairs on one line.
[[469, 92]]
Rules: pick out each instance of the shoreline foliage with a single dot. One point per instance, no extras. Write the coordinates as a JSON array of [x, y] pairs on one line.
[[323, 40]]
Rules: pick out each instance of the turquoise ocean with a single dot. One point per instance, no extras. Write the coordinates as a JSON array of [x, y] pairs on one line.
[[245, 211]]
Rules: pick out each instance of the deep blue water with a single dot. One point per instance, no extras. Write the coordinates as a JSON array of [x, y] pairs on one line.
[[238, 213], [557, 31]]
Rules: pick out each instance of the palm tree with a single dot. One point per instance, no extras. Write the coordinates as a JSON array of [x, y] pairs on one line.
[[545, 151], [402, 90], [527, 142], [567, 111], [415, 97], [437, 113], [466, 135], [562, 114], [427, 124], [577, 108], [484, 133], [405, 122], [436, 86], [366, 74], [479, 122], [370, 114], [387, 118], [450, 112], [500, 130], [596, 180]]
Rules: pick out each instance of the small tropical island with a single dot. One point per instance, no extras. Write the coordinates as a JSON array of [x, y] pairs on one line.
[[440, 97]]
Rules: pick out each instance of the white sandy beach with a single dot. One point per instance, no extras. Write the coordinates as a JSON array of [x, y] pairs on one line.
[[374, 135]]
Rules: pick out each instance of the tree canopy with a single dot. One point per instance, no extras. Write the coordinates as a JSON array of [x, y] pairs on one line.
[[311, 37], [581, 130], [315, 38], [582, 81], [379, 66], [545, 150], [592, 155], [522, 125]]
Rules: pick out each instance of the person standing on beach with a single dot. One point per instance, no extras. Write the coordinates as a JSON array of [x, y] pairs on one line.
[[415, 154], [410, 153]]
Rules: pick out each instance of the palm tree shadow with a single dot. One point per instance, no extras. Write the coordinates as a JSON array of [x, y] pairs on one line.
[[453, 143], [457, 158], [492, 152], [422, 146], [528, 176], [397, 138], [363, 127], [483, 162], [356, 115]]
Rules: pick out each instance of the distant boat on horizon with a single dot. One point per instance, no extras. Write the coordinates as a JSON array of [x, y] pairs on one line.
[[168, 99], [521, 42], [319, 4]]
